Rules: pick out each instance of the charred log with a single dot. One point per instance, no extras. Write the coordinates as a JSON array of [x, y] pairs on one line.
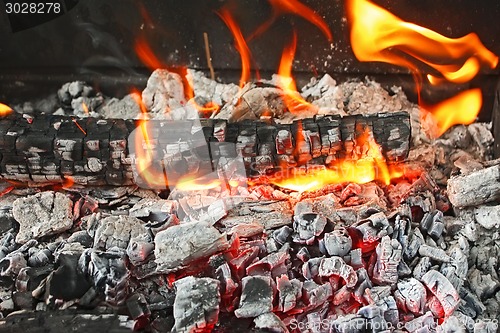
[[97, 151]]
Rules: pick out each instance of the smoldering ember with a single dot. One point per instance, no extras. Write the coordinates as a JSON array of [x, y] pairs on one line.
[[202, 206]]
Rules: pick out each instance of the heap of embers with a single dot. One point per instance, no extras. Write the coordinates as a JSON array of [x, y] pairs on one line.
[[413, 248]]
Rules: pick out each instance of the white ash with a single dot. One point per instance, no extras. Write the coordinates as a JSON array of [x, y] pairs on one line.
[[478, 187], [270, 322], [42, 214], [254, 102], [125, 108], [118, 231], [164, 92], [72, 90], [326, 95], [210, 90], [180, 244]]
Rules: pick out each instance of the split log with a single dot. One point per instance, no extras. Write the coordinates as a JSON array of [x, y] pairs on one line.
[[479, 187], [94, 151]]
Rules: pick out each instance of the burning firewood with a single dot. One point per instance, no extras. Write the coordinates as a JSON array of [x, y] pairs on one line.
[[97, 152]]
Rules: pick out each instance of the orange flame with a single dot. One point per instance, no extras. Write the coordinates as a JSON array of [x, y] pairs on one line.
[[377, 35], [293, 101], [149, 58], [193, 183], [370, 166], [295, 7], [4, 110], [151, 171], [460, 109], [241, 45]]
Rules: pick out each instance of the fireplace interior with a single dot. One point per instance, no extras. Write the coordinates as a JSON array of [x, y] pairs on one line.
[[250, 166]]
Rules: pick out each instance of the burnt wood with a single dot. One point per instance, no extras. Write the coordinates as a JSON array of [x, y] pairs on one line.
[[94, 151]]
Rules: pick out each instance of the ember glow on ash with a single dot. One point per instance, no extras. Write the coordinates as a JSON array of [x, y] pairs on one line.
[[4, 110], [378, 35], [293, 101], [241, 45], [370, 166]]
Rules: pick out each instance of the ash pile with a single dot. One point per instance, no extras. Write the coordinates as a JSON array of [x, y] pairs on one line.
[[417, 255]]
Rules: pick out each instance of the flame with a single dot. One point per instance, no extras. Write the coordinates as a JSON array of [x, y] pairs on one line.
[[4, 110], [460, 109], [193, 183], [148, 58], [293, 101], [295, 7], [85, 108], [151, 171], [378, 35], [370, 166], [241, 45]]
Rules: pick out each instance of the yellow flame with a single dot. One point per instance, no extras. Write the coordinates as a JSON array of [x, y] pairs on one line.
[[369, 167], [4, 110], [460, 109], [378, 35], [194, 183]]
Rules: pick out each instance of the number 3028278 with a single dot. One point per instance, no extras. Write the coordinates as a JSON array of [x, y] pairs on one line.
[[33, 7]]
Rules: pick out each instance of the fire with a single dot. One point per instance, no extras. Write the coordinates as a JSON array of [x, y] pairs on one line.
[[460, 109], [150, 169], [370, 166], [4, 110], [295, 7], [193, 183], [85, 108], [293, 101], [241, 45], [149, 58], [378, 35]]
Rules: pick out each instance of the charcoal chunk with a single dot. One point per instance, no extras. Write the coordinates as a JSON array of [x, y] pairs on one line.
[[256, 297], [42, 214], [180, 244], [196, 305]]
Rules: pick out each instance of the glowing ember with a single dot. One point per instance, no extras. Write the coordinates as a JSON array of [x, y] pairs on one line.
[[378, 35], [369, 167], [460, 109], [241, 45], [295, 7], [79, 126], [4, 110], [293, 100]]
